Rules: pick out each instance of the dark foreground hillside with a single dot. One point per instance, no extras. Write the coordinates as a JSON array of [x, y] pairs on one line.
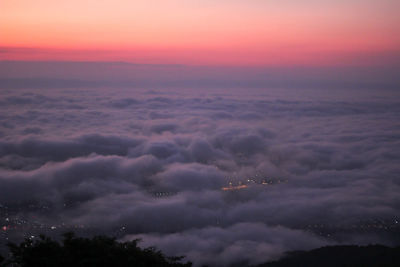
[[341, 256], [84, 252], [104, 251]]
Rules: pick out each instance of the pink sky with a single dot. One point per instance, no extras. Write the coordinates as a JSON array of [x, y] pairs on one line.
[[207, 32]]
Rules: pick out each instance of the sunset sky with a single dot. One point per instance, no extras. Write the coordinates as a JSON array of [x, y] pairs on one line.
[[194, 32]]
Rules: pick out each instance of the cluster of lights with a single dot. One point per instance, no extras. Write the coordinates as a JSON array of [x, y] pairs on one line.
[[251, 181]]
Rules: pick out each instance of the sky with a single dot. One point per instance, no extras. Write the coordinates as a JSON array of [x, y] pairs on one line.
[[206, 32]]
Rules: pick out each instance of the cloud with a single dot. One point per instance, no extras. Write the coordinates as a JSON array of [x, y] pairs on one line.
[[164, 127], [154, 163], [191, 177], [245, 243], [124, 103], [59, 150]]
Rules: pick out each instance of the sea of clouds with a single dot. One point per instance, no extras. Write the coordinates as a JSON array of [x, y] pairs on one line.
[[153, 161]]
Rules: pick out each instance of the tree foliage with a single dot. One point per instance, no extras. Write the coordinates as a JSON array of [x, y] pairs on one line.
[[87, 252]]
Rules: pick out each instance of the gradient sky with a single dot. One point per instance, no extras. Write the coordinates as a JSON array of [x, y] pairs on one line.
[[234, 32]]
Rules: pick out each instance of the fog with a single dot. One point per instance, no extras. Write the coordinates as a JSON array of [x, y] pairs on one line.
[[221, 175]]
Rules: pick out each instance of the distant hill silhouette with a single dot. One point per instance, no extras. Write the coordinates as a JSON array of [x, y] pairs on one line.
[[341, 256], [98, 251]]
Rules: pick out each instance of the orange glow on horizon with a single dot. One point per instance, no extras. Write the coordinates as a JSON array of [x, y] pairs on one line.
[[234, 32]]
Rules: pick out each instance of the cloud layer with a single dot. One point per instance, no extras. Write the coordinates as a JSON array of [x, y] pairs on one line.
[[154, 162]]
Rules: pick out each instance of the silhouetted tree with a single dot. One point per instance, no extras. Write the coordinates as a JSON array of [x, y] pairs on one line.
[[84, 252]]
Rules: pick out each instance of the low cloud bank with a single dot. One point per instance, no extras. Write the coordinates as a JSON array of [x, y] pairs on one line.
[[221, 176]]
